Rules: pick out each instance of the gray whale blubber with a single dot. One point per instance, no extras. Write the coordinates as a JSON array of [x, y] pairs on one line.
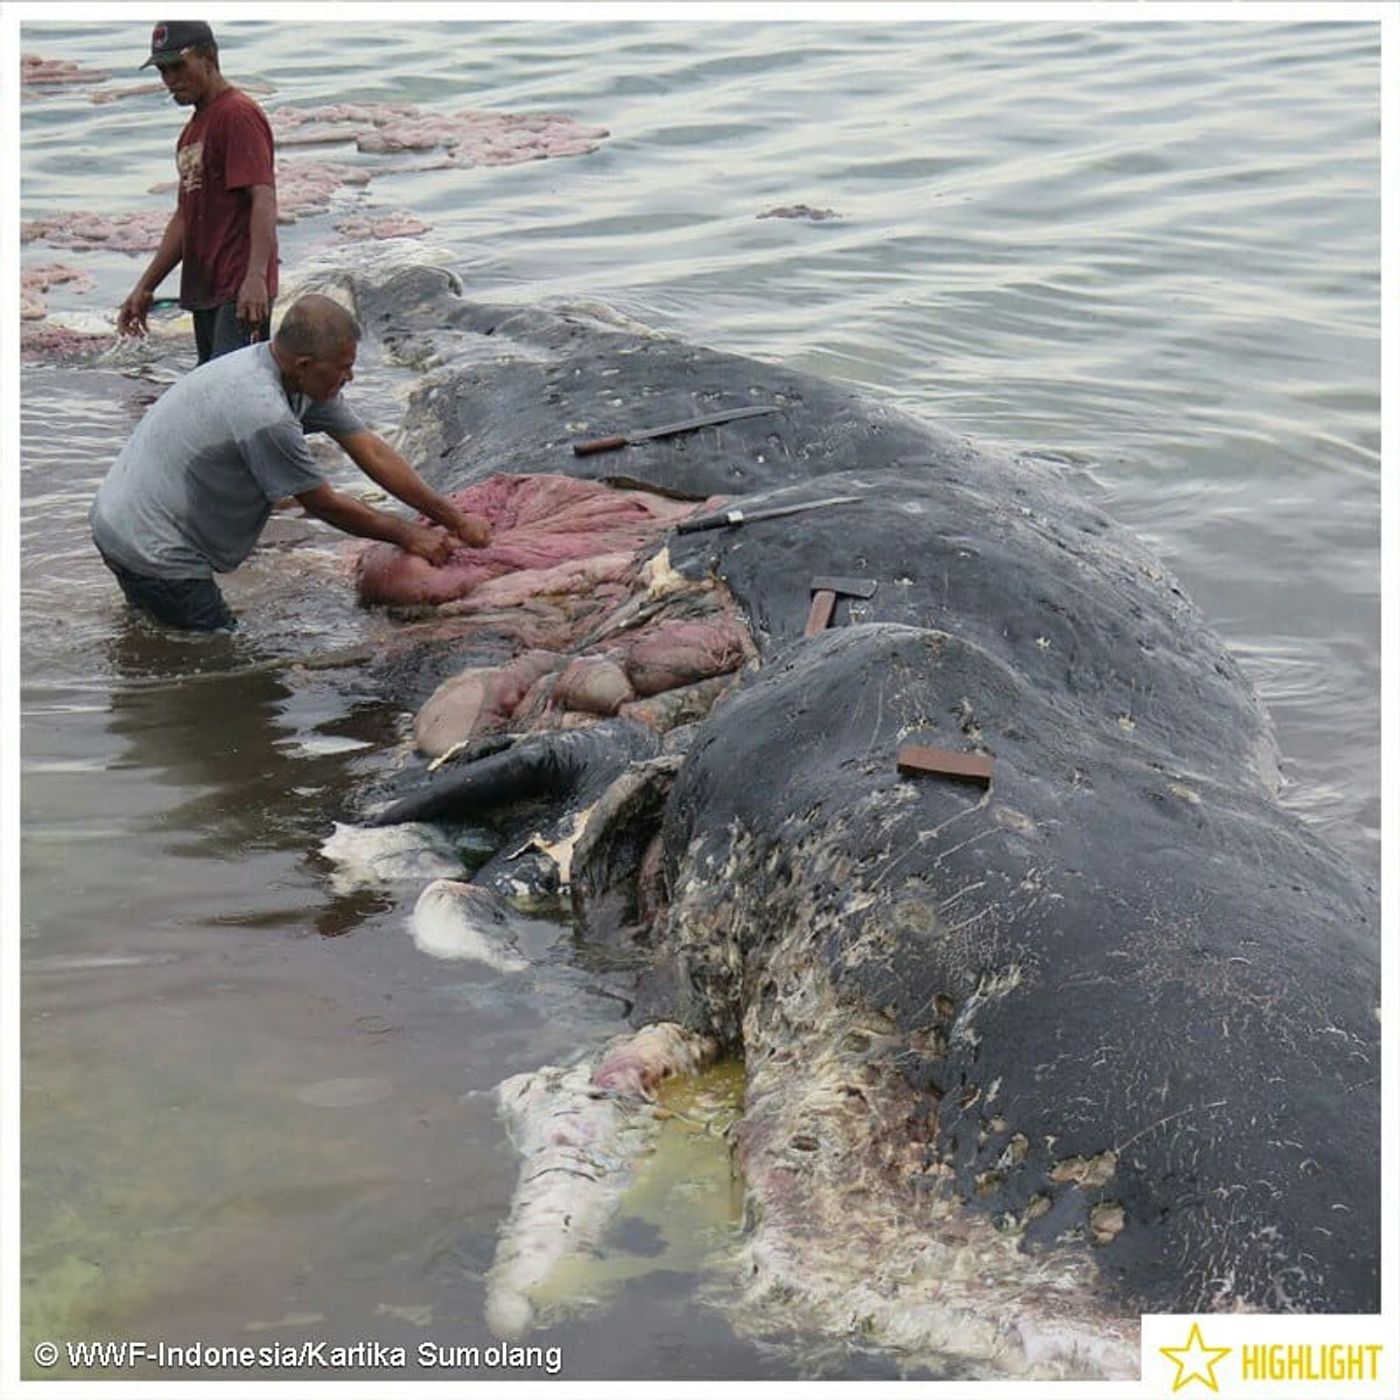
[[1122, 1003]]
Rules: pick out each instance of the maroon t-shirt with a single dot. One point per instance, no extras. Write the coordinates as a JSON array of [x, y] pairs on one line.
[[223, 150]]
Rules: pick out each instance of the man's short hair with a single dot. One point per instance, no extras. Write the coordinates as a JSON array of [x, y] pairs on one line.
[[317, 326]]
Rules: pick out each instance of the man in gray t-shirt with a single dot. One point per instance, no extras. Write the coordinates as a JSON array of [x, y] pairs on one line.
[[192, 489]]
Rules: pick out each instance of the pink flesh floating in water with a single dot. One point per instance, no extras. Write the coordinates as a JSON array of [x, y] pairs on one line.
[[123, 233], [339, 122], [471, 137], [38, 72], [105, 95], [381, 224], [35, 281], [305, 187], [61, 345]]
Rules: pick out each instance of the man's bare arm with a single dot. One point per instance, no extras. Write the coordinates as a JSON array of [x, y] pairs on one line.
[[253, 300], [388, 469], [131, 315], [357, 518]]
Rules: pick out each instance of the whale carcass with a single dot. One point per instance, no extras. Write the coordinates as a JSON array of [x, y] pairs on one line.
[[1023, 1058]]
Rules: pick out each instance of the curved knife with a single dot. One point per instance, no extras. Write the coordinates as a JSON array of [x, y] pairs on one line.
[[728, 415], [744, 517]]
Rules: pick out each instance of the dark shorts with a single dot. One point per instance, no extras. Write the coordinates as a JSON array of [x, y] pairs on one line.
[[193, 604], [218, 330]]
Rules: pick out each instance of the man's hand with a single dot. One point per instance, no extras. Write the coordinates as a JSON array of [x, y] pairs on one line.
[[428, 542], [472, 530], [131, 316], [252, 301]]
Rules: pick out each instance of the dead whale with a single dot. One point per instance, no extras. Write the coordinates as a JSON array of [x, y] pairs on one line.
[[1025, 1059]]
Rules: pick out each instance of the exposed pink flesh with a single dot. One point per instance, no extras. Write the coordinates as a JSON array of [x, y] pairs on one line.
[[538, 522]]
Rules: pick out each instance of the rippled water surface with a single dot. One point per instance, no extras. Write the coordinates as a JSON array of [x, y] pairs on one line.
[[252, 1110]]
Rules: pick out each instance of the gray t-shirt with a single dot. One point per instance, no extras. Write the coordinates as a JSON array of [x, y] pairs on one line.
[[193, 487]]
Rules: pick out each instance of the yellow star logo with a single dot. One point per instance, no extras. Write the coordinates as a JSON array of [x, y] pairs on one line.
[[1195, 1361]]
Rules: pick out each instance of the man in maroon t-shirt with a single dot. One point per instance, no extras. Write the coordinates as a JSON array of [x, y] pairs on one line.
[[224, 229]]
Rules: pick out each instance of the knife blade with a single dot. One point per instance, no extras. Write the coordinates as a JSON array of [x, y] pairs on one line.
[[745, 517], [727, 415]]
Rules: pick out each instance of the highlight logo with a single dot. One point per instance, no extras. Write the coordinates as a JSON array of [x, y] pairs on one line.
[[1281, 1362], [1195, 1361]]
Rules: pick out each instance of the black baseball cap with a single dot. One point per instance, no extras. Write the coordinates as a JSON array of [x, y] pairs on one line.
[[172, 37]]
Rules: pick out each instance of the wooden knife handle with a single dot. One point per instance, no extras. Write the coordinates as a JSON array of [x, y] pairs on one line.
[[914, 759], [710, 522], [607, 444], [819, 617]]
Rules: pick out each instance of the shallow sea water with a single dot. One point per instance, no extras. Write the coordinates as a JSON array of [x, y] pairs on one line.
[[252, 1110]]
